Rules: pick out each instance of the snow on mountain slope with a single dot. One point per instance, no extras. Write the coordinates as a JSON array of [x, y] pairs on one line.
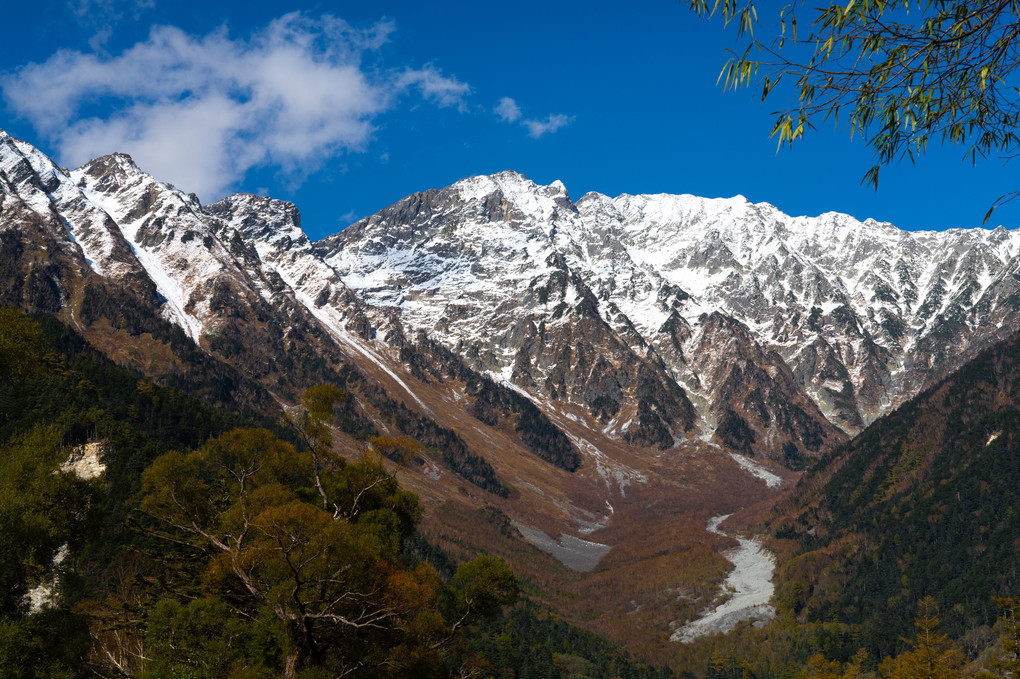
[[663, 317], [273, 227], [852, 297], [167, 235], [109, 241], [824, 313], [48, 190], [475, 268], [512, 276]]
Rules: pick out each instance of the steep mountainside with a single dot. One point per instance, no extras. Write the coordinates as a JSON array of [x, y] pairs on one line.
[[923, 502], [760, 321], [504, 273], [590, 377], [62, 253], [163, 287], [655, 318]]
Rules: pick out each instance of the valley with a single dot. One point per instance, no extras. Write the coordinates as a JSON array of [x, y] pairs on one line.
[[586, 389]]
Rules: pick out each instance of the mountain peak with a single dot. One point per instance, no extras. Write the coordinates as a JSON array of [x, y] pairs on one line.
[[113, 161], [111, 173], [261, 218], [517, 191]]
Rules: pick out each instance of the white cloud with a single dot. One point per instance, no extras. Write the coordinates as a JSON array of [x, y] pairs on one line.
[[434, 87], [200, 111], [536, 128], [508, 110]]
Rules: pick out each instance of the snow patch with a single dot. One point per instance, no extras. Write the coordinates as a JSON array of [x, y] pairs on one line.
[[574, 553], [771, 480]]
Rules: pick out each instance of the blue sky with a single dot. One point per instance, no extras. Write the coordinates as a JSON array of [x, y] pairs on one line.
[[346, 107]]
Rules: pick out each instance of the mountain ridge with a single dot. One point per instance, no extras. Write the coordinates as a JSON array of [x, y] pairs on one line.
[[851, 348], [621, 369], [651, 312]]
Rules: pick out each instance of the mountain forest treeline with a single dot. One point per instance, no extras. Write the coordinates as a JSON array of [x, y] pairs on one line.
[[921, 504], [219, 544], [236, 544]]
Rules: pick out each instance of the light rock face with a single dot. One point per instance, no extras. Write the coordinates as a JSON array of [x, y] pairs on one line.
[[651, 319], [86, 461]]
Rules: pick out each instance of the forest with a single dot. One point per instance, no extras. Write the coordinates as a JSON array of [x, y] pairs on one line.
[[225, 544], [237, 544]]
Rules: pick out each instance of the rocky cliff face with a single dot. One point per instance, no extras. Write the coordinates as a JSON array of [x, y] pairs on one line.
[[54, 238], [774, 328], [647, 319], [860, 311], [117, 251], [487, 279]]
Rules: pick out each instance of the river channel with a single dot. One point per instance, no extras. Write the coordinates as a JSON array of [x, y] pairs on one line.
[[749, 585]]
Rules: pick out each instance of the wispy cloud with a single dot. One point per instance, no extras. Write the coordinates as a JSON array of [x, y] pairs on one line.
[[509, 112], [102, 16], [536, 128], [201, 111], [435, 87]]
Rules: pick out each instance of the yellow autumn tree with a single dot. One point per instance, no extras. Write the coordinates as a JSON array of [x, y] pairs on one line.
[[821, 668], [931, 654]]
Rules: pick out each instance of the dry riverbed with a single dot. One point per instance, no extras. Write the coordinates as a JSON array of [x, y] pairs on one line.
[[749, 585]]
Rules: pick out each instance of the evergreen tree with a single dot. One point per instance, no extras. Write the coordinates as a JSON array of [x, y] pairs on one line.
[[1006, 661], [932, 654]]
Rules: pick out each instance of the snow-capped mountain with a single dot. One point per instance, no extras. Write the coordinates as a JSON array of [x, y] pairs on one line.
[[761, 319], [862, 312], [109, 240], [600, 370], [647, 319]]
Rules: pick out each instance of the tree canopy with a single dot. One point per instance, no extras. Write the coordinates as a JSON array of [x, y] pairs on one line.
[[900, 74], [300, 560]]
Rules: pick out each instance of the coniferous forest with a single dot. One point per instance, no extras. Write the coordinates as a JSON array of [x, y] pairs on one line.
[[237, 544], [221, 544]]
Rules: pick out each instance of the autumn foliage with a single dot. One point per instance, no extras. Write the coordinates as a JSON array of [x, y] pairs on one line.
[[305, 549]]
